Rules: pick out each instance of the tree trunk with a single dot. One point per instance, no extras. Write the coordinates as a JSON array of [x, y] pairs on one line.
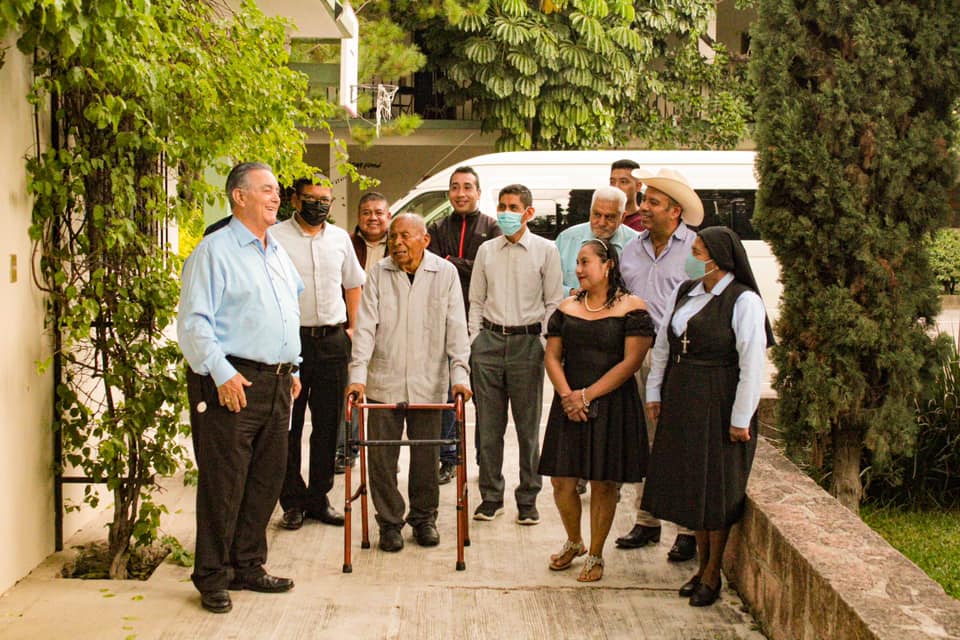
[[845, 483]]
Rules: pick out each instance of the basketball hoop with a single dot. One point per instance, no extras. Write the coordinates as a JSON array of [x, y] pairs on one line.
[[383, 95]]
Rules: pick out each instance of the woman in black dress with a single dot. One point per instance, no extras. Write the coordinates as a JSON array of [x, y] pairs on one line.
[[596, 340], [707, 367]]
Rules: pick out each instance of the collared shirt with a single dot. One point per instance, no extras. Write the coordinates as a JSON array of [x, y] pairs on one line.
[[654, 278], [569, 242], [376, 252], [238, 299], [411, 337], [749, 328], [515, 284], [326, 261]]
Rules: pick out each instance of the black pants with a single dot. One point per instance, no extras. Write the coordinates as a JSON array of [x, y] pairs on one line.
[[239, 457], [323, 374]]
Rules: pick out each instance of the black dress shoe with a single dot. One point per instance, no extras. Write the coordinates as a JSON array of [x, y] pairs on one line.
[[339, 465], [684, 548], [639, 536], [327, 515], [689, 587], [292, 519], [390, 540], [264, 583], [426, 534], [216, 601], [703, 595]]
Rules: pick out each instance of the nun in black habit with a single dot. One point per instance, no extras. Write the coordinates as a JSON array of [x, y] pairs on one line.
[[707, 367]]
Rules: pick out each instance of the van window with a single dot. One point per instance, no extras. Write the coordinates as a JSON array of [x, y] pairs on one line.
[[558, 209], [730, 208], [431, 206], [727, 207]]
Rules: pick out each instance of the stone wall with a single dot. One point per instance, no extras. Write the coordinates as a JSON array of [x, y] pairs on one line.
[[810, 569]]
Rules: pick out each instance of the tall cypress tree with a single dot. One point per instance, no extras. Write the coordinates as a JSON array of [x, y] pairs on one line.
[[854, 134]]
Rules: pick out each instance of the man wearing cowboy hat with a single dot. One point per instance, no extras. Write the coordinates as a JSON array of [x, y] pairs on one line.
[[652, 267]]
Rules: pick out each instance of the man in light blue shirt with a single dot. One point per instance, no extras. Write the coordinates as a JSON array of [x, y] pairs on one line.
[[239, 330], [606, 216], [653, 267]]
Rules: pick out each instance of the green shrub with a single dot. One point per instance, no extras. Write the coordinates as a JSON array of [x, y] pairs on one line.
[[945, 258], [930, 476]]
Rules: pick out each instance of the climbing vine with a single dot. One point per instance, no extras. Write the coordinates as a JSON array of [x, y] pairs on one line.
[[144, 98]]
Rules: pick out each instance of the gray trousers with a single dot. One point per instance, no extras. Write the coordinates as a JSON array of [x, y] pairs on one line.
[[508, 369], [422, 486], [646, 518]]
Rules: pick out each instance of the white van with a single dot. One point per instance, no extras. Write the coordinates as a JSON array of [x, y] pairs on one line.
[[562, 183]]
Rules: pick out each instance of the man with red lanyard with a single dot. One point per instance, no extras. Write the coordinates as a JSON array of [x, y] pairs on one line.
[[456, 238]]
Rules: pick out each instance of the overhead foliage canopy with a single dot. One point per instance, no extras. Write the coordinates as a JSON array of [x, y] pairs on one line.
[[581, 73]]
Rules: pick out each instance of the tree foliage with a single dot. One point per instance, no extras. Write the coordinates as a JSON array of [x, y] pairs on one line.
[[854, 134], [945, 258], [144, 95], [583, 73]]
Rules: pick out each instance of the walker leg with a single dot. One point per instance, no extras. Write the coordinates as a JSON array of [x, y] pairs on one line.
[[347, 522], [365, 540]]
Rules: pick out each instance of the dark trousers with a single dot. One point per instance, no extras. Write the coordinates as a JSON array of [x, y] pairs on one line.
[[508, 369], [239, 457], [422, 486], [323, 374], [448, 431]]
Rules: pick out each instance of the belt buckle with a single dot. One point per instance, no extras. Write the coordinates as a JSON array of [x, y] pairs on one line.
[[279, 369], [503, 330]]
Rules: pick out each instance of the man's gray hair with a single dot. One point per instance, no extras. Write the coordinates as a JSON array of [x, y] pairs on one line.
[[417, 220], [238, 177], [610, 194]]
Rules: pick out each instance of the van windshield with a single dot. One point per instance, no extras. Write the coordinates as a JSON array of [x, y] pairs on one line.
[[431, 206]]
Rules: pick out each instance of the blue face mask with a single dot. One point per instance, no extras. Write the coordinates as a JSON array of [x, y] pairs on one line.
[[509, 222], [695, 268]]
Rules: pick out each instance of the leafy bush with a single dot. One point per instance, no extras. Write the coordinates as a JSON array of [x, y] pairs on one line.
[[931, 474], [945, 258]]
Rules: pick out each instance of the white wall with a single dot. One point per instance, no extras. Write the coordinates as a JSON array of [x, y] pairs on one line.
[[26, 479]]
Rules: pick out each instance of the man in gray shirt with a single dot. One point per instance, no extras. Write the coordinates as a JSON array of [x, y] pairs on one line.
[[410, 343], [653, 266], [516, 284]]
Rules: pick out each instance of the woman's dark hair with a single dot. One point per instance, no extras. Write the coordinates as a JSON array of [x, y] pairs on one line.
[[616, 287]]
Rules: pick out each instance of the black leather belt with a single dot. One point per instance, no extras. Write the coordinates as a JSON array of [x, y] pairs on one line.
[[281, 369], [528, 330], [320, 332], [699, 362]]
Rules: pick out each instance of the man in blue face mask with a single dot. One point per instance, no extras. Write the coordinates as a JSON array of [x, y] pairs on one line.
[[516, 284]]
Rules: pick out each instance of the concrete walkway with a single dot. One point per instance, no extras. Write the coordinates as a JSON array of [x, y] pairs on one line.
[[506, 591]]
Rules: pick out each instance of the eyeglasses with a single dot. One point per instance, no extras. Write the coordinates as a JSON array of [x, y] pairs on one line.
[[309, 200]]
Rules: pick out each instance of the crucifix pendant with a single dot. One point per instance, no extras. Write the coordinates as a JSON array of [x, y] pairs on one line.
[[684, 341]]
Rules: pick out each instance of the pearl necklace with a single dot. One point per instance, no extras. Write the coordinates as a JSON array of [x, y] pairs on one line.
[[586, 303]]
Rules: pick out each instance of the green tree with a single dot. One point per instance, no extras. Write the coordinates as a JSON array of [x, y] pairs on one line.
[[585, 73], [144, 95], [854, 134]]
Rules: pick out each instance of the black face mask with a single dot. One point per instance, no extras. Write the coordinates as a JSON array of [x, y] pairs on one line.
[[314, 213]]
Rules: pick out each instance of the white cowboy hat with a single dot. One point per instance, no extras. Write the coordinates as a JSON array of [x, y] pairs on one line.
[[675, 185]]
